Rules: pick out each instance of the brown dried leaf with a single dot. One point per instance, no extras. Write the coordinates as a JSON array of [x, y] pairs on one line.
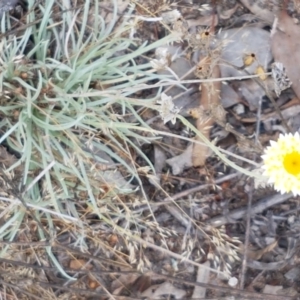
[[141, 284], [77, 264], [285, 42], [210, 97]]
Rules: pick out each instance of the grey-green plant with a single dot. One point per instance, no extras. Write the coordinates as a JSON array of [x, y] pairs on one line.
[[68, 113]]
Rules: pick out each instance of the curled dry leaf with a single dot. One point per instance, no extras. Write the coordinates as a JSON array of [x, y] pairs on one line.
[[285, 43], [210, 98]]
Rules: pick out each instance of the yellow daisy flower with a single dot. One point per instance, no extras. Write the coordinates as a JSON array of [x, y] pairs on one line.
[[282, 163]]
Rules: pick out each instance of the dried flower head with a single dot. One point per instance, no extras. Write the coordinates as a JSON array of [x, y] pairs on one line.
[[168, 109], [281, 80], [261, 72], [282, 163], [180, 29], [171, 17], [201, 39], [249, 59], [164, 59]]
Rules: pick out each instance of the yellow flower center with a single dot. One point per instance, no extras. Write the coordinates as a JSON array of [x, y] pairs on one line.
[[291, 163]]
